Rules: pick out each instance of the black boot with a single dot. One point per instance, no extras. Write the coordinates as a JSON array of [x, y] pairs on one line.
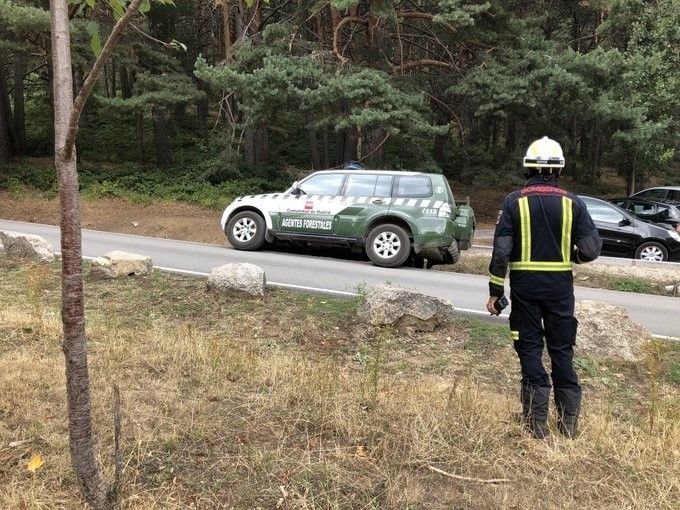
[[568, 405], [535, 409]]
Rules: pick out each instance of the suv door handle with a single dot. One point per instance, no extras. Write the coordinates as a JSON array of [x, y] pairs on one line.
[[377, 201]]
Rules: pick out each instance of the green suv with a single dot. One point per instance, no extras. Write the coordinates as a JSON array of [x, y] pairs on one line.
[[393, 215]]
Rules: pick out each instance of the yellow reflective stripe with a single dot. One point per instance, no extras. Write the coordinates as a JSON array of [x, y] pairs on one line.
[[497, 280], [567, 219], [541, 266], [514, 335], [525, 225]]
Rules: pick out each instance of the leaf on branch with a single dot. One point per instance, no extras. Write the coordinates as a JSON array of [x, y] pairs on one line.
[[95, 41], [176, 45], [145, 6], [35, 463], [90, 3], [117, 7]]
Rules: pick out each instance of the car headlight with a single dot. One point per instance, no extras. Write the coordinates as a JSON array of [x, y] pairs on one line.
[[674, 235]]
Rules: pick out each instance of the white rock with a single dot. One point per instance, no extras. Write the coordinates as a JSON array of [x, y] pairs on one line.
[[386, 305], [242, 277], [28, 246], [606, 330], [119, 263]]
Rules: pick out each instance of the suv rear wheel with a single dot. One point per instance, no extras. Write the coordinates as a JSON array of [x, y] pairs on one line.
[[246, 231], [388, 245]]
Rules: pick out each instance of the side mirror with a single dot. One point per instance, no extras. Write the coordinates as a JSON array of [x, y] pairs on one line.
[[295, 188], [624, 222]]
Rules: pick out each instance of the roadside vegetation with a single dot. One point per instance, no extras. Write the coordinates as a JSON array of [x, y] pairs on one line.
[[288, 402], [609, 277]]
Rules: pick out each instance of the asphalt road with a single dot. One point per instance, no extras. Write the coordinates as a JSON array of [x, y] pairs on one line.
[[659, 314]]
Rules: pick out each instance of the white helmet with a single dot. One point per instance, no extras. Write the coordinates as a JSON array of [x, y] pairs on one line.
[[544, 153]]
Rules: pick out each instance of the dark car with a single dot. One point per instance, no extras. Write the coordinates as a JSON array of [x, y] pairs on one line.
[[654, 211], [671, 193], [624, 235]]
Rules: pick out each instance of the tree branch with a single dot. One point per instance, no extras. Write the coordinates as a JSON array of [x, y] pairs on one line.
[[424, 15], [78, 105], [148, 36], [421, 63], [336, 33], [467, 478]]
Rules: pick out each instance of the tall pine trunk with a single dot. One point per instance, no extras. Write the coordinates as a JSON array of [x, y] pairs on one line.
[[19, 109]]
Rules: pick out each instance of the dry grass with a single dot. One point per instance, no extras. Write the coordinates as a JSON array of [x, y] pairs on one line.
[[286, 402]]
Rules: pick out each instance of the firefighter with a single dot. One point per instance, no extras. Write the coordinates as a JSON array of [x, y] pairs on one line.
[[540, 231]]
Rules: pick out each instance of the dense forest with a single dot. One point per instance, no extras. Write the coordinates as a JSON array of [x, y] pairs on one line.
[[232, 89]]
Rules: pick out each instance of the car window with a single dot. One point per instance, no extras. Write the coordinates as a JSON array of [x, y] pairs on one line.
[[643, 208], [600, 211], [652, 193], [674, 194], [323, 184], [621, 203], [415, 186], [367, 185]]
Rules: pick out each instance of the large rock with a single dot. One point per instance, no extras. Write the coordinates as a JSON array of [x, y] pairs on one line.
[[26, 246], [119, 263], [385, 305], [243, 277], [607, 330]]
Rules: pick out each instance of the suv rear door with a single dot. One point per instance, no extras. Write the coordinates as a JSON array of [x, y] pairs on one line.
[[365, 196]]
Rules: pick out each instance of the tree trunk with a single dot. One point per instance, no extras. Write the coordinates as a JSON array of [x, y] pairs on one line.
[[226, 27], [81, 440], [161, 140], [326, 153], [351, 144], [139, 117], [114, 91], [19, 110], [256, 146], [8, 133], [125, 85], [313, 144]]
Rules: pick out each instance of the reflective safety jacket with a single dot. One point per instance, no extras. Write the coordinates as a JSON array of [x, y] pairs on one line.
[[540, 231]]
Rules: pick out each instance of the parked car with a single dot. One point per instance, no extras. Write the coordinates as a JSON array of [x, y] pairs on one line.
[[661, 192], [654, 211], [624, 235], [392, 215]]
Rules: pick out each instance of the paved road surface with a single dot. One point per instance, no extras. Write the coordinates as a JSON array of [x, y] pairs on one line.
[[469, 292]]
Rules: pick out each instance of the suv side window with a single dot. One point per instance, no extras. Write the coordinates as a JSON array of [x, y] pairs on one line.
[[413, 186], [674, 194], [323, 184], [368, 185]]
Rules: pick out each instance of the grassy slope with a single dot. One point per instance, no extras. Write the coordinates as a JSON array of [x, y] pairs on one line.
[[235, 402]]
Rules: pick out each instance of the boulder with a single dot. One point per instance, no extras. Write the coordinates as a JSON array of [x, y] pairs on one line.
[[119, 263], [606, 330], [243, 277], [386, 305], [26, 246]]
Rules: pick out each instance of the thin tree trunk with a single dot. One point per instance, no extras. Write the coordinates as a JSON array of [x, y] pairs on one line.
[[226, 27], [125, 85], [67, 114], [140, 136], [83, 455], [313, 144], [19, 110], [161, 140], [114, 92], [326, 154]]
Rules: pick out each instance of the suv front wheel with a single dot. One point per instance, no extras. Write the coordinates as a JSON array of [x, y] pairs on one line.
[[246, 231], [388, 245]]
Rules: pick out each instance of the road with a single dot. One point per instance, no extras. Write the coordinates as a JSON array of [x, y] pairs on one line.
[[467, 292]]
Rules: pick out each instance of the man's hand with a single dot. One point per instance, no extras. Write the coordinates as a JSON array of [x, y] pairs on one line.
[[491, 305]]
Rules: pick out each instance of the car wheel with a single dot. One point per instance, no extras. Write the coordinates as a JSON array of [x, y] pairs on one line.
[[246, 231], [652, 252], [388, 245], [454, 250]]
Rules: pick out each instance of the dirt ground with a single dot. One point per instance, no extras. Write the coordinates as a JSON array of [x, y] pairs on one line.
[[171, 220]]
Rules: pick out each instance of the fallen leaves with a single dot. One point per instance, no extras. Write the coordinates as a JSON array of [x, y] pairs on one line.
[[35, 463]]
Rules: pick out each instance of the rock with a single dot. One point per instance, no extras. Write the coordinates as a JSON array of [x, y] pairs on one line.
[[243, 277], [385, 305], [26, 246], [119, 263], [607, 330]]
